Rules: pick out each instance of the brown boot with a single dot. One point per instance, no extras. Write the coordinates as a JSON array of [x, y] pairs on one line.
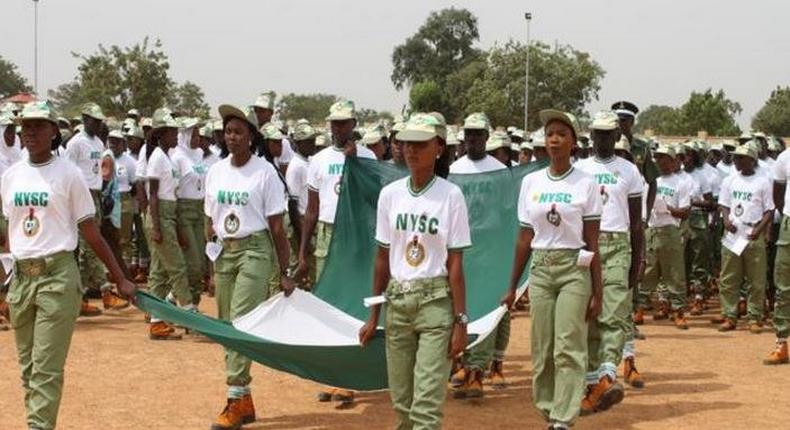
[[639, 316], [498, 381], [473, 386], [161, 330], [697, 307], [718, 319], [778, 356], [605, 394], [755, 327], [237, 412], [743, 307], [345, 397], [727, 325], [458, 378], [111, 301], [632, 376], [88, 310], [680, 320], [662, 312], [587, 407]]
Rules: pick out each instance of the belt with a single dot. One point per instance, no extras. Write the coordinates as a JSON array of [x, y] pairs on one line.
[[233, 244], [416, 285], [39, 266], [612, 235]]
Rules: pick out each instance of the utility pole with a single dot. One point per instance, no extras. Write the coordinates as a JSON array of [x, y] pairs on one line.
[[35, 46], [528, 18]]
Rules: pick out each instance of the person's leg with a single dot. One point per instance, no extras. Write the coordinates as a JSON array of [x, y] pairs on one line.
[[730, 282], [322, 241], [650, 278], [542, 299], [754, 262], [401, 349], [613, 323], [782, 305], [434, 325], [190, 219], [127, 220], [172, 263], [672, 259]]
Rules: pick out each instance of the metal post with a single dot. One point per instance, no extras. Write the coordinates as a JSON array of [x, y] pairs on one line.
[[35, 46], [528, 17]]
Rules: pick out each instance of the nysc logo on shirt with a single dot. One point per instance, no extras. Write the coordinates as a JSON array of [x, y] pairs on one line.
[[552, 198], [607, 178], [665, 191], [35, 198], [238, 198], [417, 223], [742, 195], [336, 169]]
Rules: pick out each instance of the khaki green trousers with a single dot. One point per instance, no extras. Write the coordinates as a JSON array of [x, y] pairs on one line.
[[241, 275], [91, 269], [607, 334], [697, 253], [665, 264], [747, 269], [491, 348], [782, 280], [192, 222], [323, 238], [559, 293], [127, 220], [419, 323], [44, 300], [168, 265]]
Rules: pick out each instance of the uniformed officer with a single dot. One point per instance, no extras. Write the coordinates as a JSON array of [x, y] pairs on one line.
[[781, 194], [420, 271]]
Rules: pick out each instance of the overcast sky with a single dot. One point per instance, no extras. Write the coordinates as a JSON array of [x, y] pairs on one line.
[[653, 51]]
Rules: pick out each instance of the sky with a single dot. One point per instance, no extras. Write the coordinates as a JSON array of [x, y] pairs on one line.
[[653, 51]]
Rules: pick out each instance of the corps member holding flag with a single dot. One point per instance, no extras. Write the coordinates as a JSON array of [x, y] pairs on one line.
[[422, 227], [559, 209], [47, 203]]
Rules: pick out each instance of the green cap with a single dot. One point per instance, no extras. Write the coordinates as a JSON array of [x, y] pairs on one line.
[[133, 112], [342, 110], [271, 132], [538, 139], [477, 121], [65, 134], [680, 149], [623, 144], [548, 115], [518, 133], [422, 127], [265, 100], [373, 135], [526, 145], [216, 125], [746, 150], [303, 132], [93, 110], [163, 118], [207, 130], [498, 139], [38, 110], [665, 150], [322, 140], [135, 131], [605, 120], [185, 122], [117, 134], [6, 120], [229, 111], [146, 122]]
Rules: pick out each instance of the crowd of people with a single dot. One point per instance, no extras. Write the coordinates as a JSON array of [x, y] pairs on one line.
[[241, 207]]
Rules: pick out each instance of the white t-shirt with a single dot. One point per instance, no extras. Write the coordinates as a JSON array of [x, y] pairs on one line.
[[210, 159], [142, 164], [85, 152], [287, 155], [712, 176], [192, 171], [324, 175], [296, 178], [126, 172], [44, 204], [618, 180], [672, 190], [161, 167], [724, 169], [240, 199], [419, 227], [555, 208], [466, 165], [781, 174], [747, 197], [701, 184]]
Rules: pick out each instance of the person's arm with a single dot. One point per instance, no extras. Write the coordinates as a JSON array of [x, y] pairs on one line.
[[590, 234], [153, 209], [455, 271], [651, 198], [520, 258], [763, 225], [779, 195], [283, 251], [637, 239], [310, 220], [92, 235], [725, 218], [381, 277], [706, 202]]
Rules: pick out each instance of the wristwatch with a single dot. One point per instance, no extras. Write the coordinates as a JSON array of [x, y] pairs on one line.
[[462, 318]]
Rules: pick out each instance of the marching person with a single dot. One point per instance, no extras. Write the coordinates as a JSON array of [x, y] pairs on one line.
[[125, 169], [168, 265], [664, 245], [476, 160], [47, 202], [245, 202], [620, 241], [296, 179], [781, 194], [698, 246], [419, 268], [746, 206], [559, 209]]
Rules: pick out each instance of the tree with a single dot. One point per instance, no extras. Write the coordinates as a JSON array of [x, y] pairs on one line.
[[560, 78], [11, 82], [367, 116], [187, 99], [427, 96], [661, 119], [313, 107], [708, 111], [441, 46], [774, 116]]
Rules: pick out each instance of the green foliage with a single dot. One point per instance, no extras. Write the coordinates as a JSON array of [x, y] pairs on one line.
[[441, 46], [661, 119], [367, 116], [562, 78], [11, 82], [187, 99], [427, 96], [313, 107], [122, 78], [708, 111], [774, 116]]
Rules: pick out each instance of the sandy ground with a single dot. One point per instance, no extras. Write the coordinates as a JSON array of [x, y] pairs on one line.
[[117, 379]]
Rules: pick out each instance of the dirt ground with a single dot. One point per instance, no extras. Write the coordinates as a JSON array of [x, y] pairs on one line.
[[117, 379]]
